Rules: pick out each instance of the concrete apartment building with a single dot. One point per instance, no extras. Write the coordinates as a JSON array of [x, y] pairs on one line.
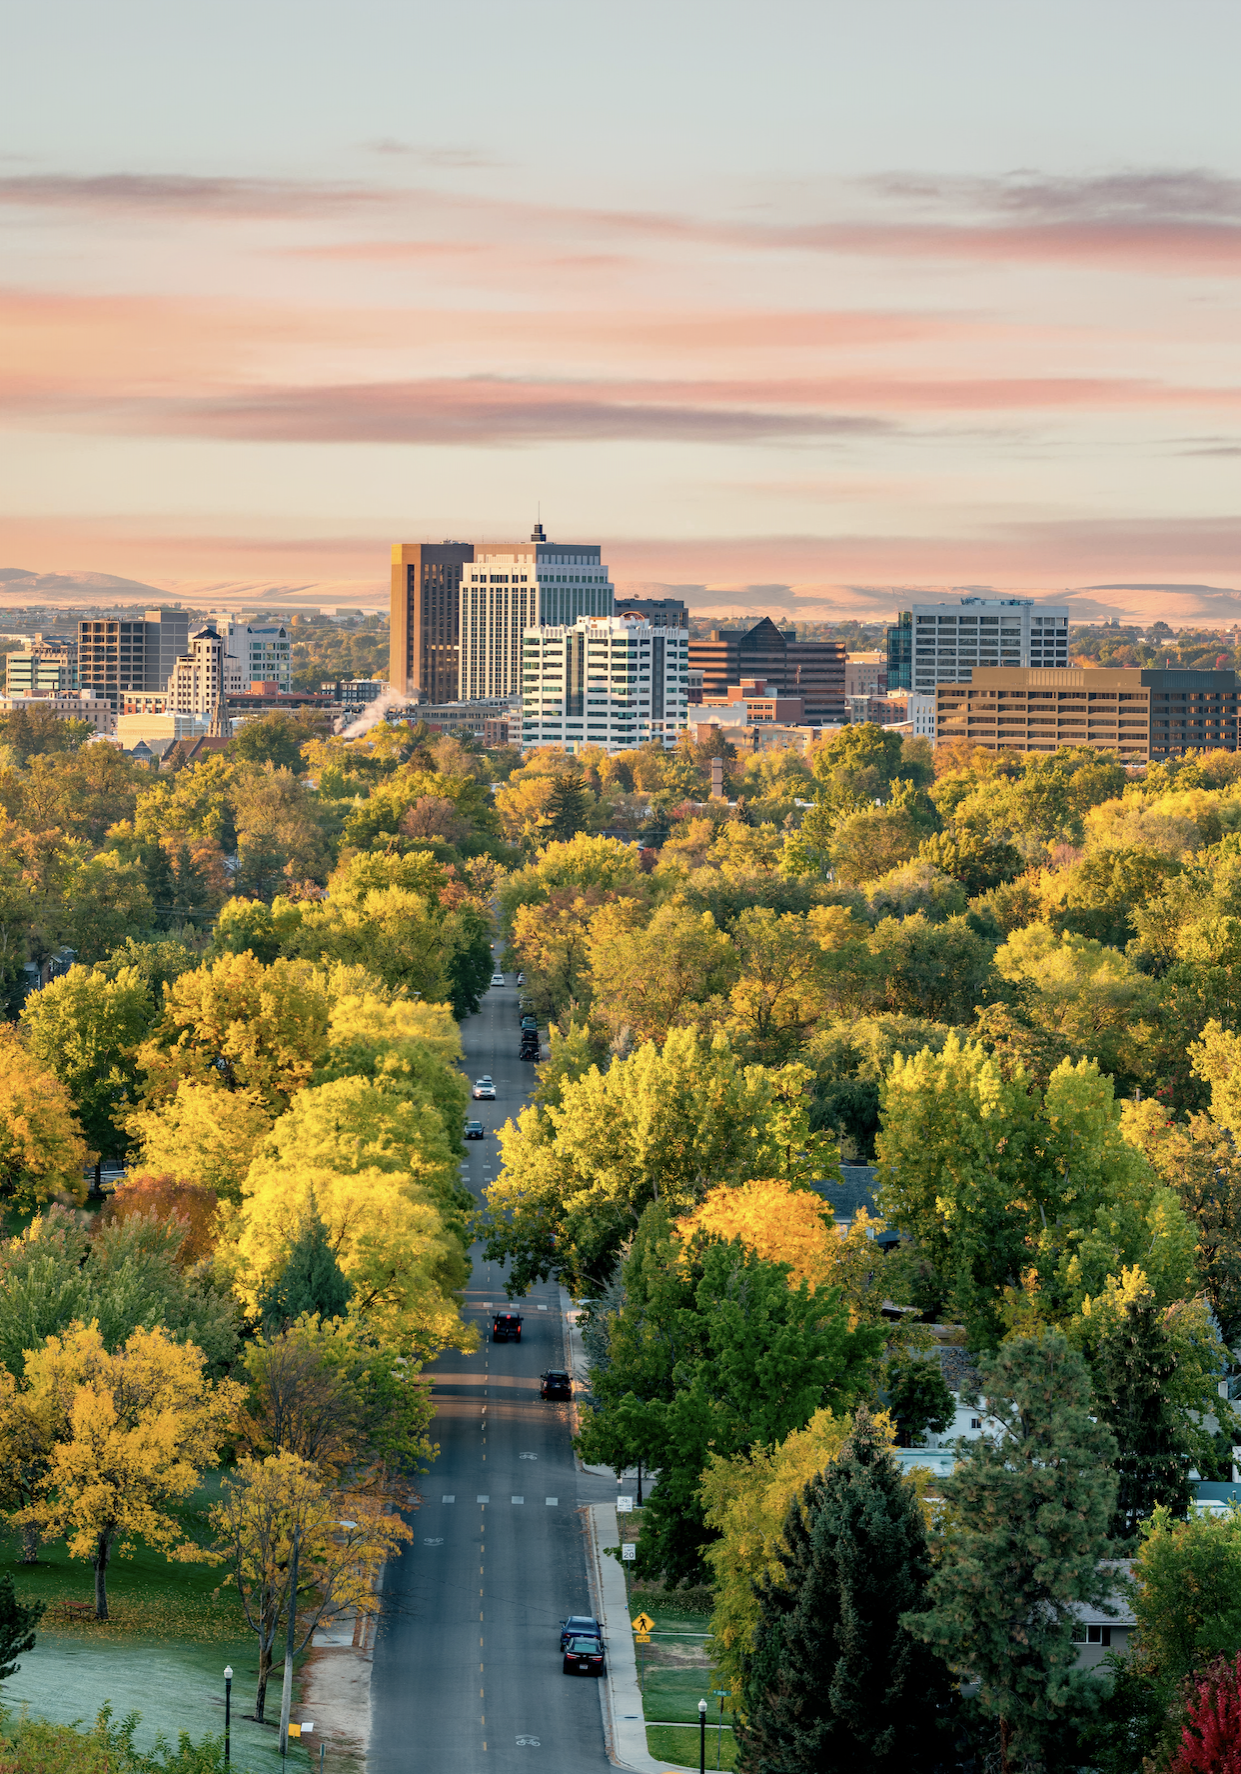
[[254, 652], [932, 644], [1143, 716], [611, 681], [813, 670]]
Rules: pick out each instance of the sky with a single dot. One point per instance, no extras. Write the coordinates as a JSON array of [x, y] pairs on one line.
[[795, 306]]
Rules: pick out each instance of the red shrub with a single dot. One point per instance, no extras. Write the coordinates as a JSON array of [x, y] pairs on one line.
[[1211, 1739]]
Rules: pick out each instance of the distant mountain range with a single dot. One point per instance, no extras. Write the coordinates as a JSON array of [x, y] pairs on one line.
[[1205, 606]]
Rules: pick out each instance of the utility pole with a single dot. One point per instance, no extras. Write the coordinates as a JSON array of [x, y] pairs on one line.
[[286, 1697]]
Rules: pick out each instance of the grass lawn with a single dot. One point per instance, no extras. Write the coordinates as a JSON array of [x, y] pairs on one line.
[[173, 1629], [679, 1746]]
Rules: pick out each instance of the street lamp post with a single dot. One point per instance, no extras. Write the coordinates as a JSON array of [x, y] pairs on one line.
[[228, 1709], [702, 1737]]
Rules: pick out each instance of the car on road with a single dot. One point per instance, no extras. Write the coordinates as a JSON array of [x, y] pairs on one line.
[[580, 1626], [529, 1051], [497, 979], [521, 979], [484, 1091], [555, 1383], [506, 1327], [583, 1656], [474, 1130], [531, 1023]]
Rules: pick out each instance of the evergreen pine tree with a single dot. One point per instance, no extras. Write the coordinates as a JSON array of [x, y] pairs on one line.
[[17, 1623], [835, 1679], [311, 1280], [567, 806], [1134, 1363], [1025, 1540]]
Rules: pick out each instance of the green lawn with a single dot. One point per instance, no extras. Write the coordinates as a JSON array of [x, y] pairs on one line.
[[680, 1747], [173, 1629]]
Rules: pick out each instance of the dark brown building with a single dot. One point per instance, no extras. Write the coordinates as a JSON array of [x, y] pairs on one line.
[[424, 654], [1142, 716], [813, 670]]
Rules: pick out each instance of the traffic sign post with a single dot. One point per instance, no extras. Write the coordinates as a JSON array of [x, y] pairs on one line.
[[643, 1626]]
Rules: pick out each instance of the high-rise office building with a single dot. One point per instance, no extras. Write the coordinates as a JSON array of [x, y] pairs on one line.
[[509, 587], [813, 670], [131, 655], [610, 681], [423, 659], [932, 644]]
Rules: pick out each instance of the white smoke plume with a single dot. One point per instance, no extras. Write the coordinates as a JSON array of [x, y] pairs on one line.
[[374, 713]]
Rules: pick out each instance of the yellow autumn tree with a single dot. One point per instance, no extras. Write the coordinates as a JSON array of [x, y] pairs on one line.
[[132, 1433], [403, 1264], [341, 1545], [785, 1224], [42, 1152], [747, 1498], [201, 1135]]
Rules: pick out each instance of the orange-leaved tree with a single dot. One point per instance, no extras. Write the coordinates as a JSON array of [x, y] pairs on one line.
[[132, 1432], [784, 1223]]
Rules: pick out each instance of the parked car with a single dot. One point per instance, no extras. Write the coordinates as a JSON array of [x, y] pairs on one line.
[[580, 1626], [521, 979], [583, 1656], [484, 1091], [555, 1383], [474, 1130], [531, 1023], [506, 1327]]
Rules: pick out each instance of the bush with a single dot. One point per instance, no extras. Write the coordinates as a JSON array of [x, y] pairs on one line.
[[32, 1746]]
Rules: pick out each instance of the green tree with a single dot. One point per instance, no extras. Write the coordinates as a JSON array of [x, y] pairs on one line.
[[918, 1397], [85, 1028], [311, 1283], [757, 1358], [665, 1124], [1008, 1189], [1025, 1537], [17, 1627], [568, 808], [836, 1679], [276, 739], [1134, 1368], [857, 767]]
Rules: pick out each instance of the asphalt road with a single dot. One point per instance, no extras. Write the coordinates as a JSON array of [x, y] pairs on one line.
[[467, 1672]]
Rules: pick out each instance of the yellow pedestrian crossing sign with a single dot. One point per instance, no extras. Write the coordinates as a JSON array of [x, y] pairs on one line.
[[643, 1623]]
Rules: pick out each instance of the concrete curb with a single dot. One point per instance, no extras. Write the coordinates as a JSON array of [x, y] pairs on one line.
[[624, 1723]]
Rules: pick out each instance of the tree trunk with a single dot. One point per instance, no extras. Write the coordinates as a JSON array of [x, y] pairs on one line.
[[1004, 1735], [101, 1575], [260, 1697], [30, 1543]]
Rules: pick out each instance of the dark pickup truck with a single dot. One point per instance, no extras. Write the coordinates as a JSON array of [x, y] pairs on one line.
[[506, 1327]]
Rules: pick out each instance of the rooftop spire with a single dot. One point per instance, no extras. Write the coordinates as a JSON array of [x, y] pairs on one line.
[[537, 534]]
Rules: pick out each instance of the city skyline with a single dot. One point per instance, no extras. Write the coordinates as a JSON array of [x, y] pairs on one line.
[[776, 344]]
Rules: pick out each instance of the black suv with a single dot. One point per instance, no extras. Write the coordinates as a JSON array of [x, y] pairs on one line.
[[506, 1327], [555, 1383], [579, 1626]]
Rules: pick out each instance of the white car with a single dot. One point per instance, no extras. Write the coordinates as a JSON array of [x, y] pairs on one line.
[[484, 1091], [497, 979]]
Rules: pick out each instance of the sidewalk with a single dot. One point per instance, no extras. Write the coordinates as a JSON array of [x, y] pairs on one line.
[[624, 1725]]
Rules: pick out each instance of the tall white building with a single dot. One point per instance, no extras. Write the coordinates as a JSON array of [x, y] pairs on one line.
[[194, 687], [949, 640], [254, 653], [611, 681], [511, 586]]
